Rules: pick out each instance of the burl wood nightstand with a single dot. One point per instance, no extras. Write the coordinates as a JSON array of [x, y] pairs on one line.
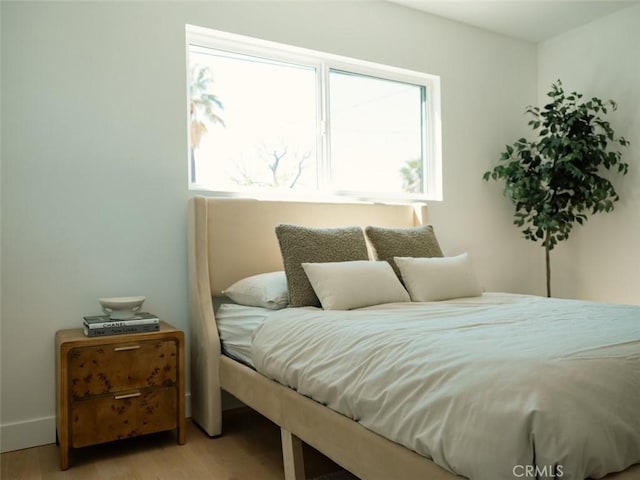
[[119, 386]]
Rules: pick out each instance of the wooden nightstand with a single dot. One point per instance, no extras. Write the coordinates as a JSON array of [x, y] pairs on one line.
[[118, 386]]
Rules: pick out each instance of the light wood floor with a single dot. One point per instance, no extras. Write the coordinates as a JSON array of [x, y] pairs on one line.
[[249, 449]]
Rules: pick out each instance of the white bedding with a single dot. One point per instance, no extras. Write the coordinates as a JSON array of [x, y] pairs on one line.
[[236, 325], [483, 386]]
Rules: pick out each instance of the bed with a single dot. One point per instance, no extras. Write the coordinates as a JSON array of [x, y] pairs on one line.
[[231, 239]]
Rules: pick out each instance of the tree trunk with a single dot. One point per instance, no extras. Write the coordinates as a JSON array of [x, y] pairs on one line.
[[546, 255]]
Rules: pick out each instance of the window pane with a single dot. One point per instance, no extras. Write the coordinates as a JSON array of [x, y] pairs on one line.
[[253, 122], [376, 134]]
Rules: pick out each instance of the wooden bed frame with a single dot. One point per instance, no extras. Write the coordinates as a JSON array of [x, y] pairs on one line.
[[230, 239]]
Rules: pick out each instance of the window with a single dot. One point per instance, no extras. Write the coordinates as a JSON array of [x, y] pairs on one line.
[[267, 119]]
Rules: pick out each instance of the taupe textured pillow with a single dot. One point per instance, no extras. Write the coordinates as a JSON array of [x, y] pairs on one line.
[[300, 245], [403, 242]]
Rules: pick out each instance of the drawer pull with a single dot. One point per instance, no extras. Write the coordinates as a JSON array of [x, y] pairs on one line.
[[127, 395], [127, 347]]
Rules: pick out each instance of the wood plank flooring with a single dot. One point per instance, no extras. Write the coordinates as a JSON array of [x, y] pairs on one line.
[[249, 449]]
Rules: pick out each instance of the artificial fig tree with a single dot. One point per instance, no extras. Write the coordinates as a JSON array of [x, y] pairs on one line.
[[556, 180]]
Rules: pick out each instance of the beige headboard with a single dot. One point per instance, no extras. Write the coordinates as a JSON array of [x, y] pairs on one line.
[[242, 241]]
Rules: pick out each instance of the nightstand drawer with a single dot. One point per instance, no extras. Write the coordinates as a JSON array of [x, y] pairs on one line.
[[122, 415], [102, 369]]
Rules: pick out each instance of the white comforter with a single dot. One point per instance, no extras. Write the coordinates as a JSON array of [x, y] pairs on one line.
[[483, 386]]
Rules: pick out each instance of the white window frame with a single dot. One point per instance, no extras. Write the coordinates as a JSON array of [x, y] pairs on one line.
[[324, 63]]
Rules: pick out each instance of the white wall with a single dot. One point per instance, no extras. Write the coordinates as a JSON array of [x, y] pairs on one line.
[[94, 156], [601, 261]]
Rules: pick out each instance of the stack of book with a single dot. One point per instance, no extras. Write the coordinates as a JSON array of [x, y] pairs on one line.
[[99, 325]]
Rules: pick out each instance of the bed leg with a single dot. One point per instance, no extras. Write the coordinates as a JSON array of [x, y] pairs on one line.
[[292, 456]]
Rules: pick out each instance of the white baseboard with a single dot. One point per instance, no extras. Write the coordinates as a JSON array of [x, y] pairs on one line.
[[40, 431], [27, 433]]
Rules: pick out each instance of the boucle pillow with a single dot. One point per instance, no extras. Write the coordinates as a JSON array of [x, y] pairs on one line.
[[348, 285], [266, 290], [432, 279], [388, 243], [300, 245]]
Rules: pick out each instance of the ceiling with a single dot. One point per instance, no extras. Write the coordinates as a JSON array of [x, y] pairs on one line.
[[529, 20]]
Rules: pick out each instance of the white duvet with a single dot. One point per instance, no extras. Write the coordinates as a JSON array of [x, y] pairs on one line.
[[484, 386]]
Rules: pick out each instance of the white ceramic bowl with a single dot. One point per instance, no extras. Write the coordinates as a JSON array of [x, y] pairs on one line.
[[121, 308]]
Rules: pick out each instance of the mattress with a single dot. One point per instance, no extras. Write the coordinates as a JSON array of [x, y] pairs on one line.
[[486, 387], [236, 326]]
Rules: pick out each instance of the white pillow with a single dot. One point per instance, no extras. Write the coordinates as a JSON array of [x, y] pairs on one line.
[[438, 278], [355, 284], [266, 290]]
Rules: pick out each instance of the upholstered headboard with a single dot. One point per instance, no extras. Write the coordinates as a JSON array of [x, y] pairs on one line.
[[230, 239], [241, 239]]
